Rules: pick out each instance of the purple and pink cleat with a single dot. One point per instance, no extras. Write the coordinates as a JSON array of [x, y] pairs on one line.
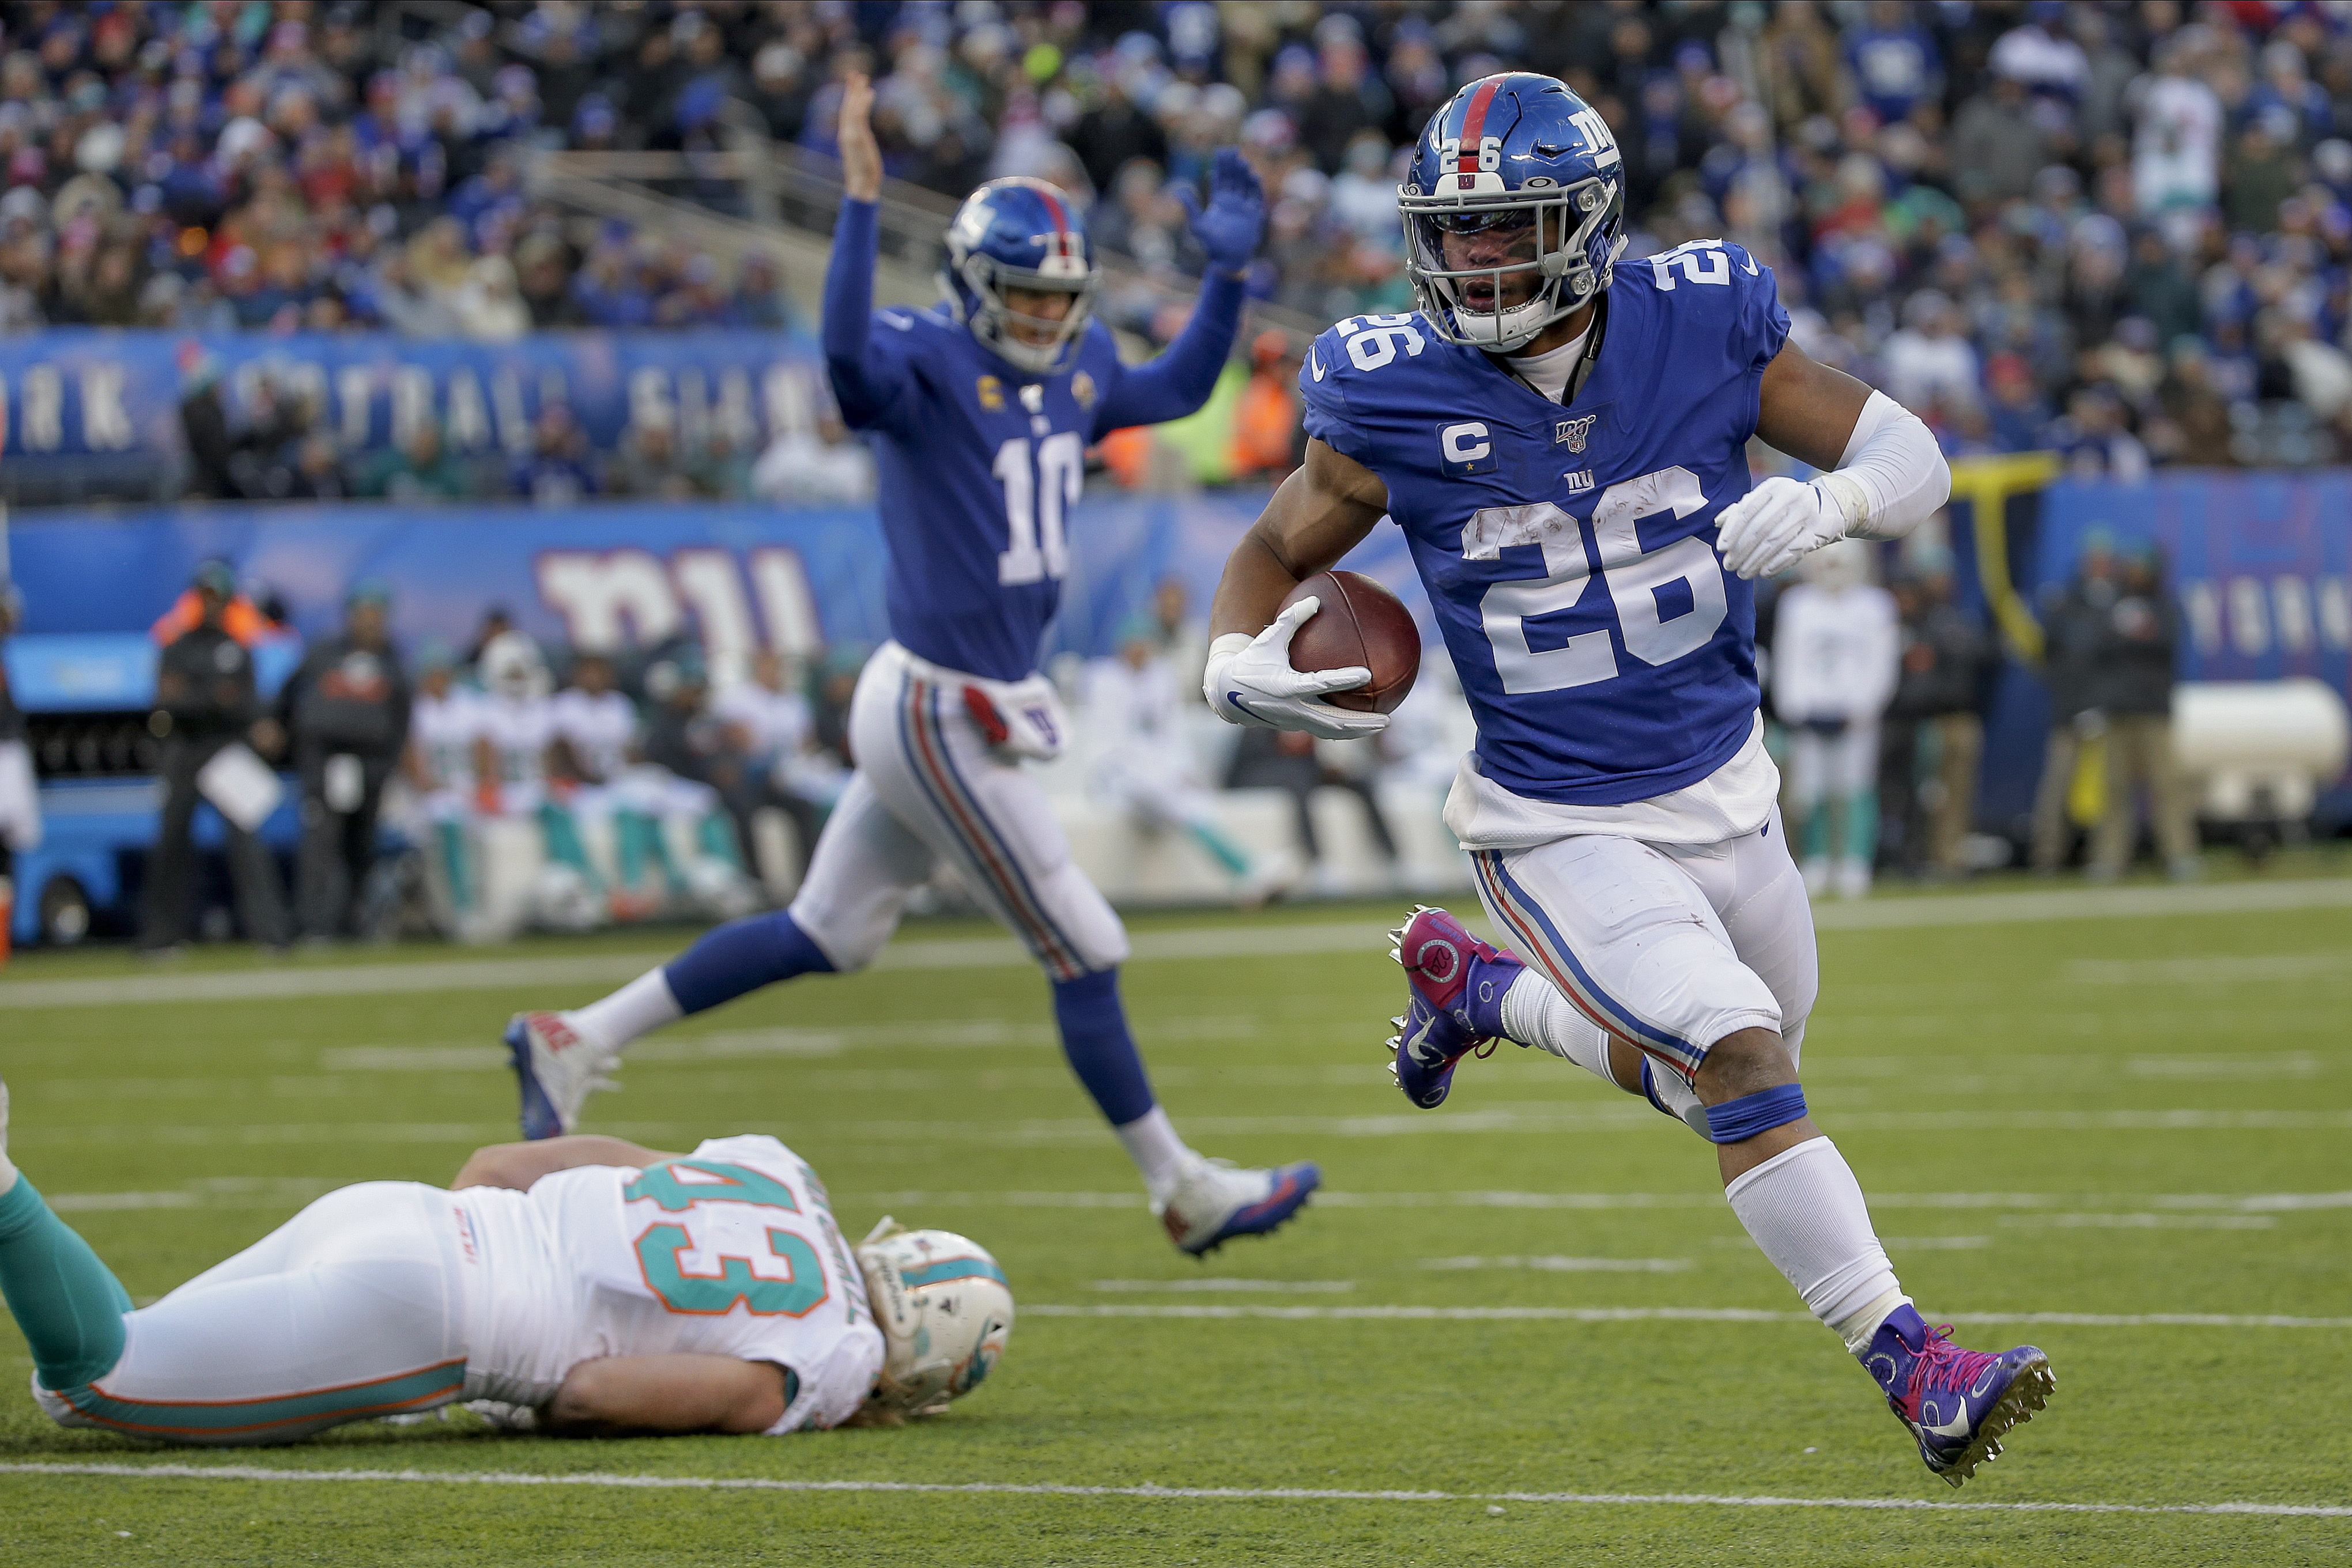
[[1958, 1403], [1453, 1005]]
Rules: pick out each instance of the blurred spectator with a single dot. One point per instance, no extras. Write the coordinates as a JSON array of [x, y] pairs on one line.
[[556, 472], [1835, 655], [2134, 659], [346, 710], [771, 726], [20, 801], [2073, 637], [1133, 708], [205, 706], [1294, 762], [1934, 737], [2055, 172], [828, 464], [1267, 435], [420, 470]]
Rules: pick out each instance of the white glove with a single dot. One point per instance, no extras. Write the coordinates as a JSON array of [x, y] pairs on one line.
[[1769, 529], [1250, 682]]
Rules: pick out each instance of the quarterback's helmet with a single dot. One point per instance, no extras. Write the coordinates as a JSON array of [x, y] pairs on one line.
[[1505, 154], [945, 1313], [1020, 233]]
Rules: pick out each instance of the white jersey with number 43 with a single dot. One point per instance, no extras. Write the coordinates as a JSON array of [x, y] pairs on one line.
[[731, 1250]]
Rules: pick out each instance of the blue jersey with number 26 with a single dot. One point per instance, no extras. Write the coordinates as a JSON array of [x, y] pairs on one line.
[[1569, 551]]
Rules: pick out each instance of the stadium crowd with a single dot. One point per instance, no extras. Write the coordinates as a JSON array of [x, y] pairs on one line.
[[2116, 230]]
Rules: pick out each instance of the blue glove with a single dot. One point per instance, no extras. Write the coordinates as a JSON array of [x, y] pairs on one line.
[[1228, 231]]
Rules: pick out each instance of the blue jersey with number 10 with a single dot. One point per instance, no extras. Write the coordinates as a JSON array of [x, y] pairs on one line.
[[1569, 551]]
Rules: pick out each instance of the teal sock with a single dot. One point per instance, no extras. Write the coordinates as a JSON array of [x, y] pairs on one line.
[[453, 864], [561, 836], [1236, 862], [631, 832], [1862, 826], [715, 836], [1816, 832], [68, 1304]]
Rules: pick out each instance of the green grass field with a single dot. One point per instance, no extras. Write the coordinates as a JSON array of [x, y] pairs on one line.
[[2115, 1115]]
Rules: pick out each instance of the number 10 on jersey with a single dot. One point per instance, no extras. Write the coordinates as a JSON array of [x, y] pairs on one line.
[[1036, 505]]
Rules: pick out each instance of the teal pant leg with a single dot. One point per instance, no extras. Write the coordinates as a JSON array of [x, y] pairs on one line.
[[68, 1304]]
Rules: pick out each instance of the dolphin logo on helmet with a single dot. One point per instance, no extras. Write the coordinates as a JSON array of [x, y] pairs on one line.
[[1020, 233], [1507, 154]]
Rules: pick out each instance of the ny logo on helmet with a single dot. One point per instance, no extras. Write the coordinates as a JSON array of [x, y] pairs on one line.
[[1570, 432]]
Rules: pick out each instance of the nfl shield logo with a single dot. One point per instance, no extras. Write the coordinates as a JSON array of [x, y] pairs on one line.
[[1570, 432]]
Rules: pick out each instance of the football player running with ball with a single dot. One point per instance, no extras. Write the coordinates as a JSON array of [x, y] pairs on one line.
[[981, 411], [580, 1286], [1562, 439]]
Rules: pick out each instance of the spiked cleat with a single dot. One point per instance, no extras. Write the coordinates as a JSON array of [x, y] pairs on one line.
[[1958, 1404], [1453, 1005], [1215, 1200], [557, 1064]]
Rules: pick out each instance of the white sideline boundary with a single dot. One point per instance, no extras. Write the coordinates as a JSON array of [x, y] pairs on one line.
[[1243, 941], [1666, 1314], [1158, 1493]]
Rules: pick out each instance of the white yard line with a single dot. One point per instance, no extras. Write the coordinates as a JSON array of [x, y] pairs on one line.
[[1663, 1314], [1242, 940], [1078, 1130], [1158, 1493]]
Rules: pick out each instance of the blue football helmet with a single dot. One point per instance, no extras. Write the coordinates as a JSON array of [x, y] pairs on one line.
[[1508, 157], [1020, 233]]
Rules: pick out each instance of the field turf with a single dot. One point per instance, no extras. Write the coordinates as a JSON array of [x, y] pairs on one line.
[[2104, 1117]]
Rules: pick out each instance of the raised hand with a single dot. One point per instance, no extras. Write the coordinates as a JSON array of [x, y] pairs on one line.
[[861, 155], [1228, 231]]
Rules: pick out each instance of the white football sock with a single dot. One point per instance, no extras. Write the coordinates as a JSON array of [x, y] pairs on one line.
[[1680, 1098], [1152, 1144], [1806, 1212], [641, 1007], [1535, 1013]]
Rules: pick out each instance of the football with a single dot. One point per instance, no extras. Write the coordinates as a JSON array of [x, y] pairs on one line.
[[1360, 623]]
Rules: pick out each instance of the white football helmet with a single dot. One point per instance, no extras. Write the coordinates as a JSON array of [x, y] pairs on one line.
[[514, 668], [945, 1313]]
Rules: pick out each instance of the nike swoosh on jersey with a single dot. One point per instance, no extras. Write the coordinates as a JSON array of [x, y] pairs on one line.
[[1316, 363]]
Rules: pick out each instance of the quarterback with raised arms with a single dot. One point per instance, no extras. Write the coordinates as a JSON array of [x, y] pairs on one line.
[[1561, 435], [980, 412]]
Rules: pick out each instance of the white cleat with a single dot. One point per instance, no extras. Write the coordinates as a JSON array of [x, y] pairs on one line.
[[557, 1066], [1216, 1200]]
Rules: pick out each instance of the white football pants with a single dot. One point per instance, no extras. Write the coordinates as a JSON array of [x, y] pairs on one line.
[[1843, 763], [930, 787], [355, 1308], [1668, 947]]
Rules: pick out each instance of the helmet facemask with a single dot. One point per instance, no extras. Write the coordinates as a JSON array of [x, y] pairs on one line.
[[982, 306], [1571, 261]]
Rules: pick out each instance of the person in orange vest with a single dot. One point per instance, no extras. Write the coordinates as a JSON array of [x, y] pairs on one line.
[[240, 617], [1266, 423]]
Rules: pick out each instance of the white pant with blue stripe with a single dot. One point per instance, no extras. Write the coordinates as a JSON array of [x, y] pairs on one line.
[[930, 787], [1670, 947]]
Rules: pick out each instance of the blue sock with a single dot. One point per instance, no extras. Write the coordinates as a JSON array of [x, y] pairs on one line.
[[742, 956], [1101, 1051]]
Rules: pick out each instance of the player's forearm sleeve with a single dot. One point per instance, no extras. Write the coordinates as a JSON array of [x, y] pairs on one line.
[[1179, 381], [858, 385], [1891, 478]]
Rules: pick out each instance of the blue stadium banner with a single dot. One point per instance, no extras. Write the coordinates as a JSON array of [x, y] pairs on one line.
[[2261, 562], [618, 574], [96, 392]]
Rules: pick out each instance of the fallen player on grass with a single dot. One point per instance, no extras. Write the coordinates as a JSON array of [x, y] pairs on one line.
[[581, 1286]]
